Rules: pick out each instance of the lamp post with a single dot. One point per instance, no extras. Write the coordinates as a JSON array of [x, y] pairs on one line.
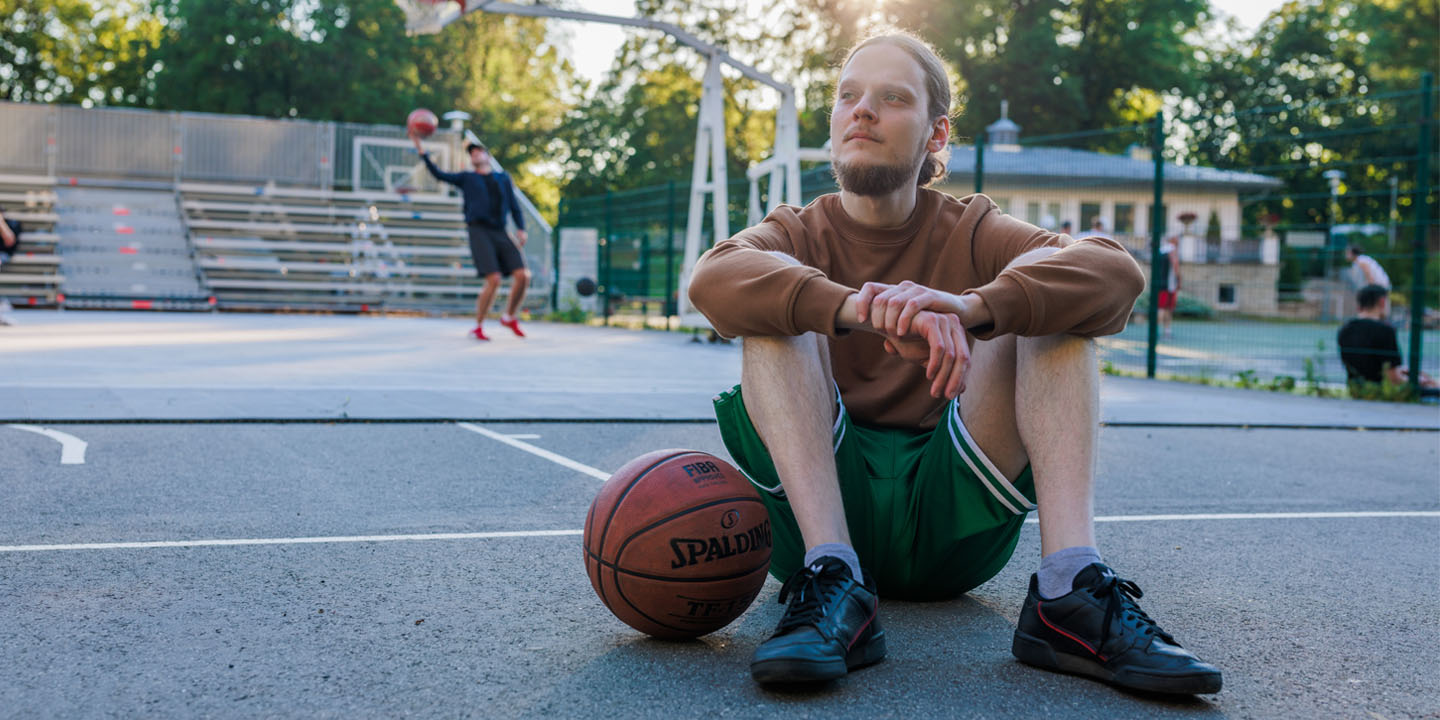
[[1334, 176]]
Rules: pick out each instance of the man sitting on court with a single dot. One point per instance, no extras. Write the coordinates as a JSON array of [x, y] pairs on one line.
[[489, 197], [1369, 347], [895, 458]]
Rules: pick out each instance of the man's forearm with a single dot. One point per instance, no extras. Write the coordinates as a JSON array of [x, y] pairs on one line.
[[970, 308]]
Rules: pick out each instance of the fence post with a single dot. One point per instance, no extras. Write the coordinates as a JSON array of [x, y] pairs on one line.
[[1422, 228], [605, 265], [1157, 229], [980, 162], [670, 289], [645, 288], [555, 257], [52, 140], [178, 126]]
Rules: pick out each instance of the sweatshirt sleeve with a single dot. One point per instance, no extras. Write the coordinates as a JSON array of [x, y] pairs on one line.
[[515, 213], [747, 292], [441, 175], [1088, 288]]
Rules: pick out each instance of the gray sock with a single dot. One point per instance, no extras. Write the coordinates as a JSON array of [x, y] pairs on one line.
[[1058, 569], [836, 550]]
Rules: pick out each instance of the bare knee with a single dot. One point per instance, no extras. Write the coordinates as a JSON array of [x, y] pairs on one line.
[[492, 278], [1058, 348], [522, 274]]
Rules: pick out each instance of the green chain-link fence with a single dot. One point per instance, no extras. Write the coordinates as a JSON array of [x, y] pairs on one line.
[[1256, 208]]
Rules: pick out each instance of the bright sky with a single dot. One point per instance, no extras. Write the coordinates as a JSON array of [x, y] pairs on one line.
[[593, 46]]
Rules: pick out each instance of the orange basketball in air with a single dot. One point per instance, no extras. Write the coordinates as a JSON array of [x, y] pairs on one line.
[[422, 122]]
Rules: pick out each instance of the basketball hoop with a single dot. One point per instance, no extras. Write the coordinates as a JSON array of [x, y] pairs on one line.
[[427, 17]]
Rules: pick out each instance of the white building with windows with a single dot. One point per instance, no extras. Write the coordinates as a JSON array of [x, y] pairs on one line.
[[1048, 186]]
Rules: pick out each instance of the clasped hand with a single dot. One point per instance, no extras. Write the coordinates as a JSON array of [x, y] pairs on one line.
[[922, 325]]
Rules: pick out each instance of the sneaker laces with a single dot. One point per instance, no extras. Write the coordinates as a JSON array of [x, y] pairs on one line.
[[814, 589], [1121, 595]]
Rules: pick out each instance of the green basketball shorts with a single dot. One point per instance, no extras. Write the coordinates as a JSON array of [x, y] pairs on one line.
[[928, 513]]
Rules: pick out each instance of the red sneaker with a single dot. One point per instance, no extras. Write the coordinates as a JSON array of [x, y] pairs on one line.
[[514, 325], [479, 333]]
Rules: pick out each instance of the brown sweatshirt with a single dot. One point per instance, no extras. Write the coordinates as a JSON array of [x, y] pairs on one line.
[[953, 244]]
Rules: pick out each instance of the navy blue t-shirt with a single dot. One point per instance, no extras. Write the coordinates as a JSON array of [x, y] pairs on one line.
[[488, 198]]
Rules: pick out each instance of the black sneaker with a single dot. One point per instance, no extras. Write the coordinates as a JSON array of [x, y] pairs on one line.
[[1098, 631], [830, 627]]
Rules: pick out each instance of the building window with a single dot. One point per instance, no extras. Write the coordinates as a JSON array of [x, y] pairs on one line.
[[1124, 218], [1032, 213], [1089, 213], [1226, 297], [1164, 217], [1051, 219]]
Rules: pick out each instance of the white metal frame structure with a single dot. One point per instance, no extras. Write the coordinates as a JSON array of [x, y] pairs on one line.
[[360, 159], [708, 174]]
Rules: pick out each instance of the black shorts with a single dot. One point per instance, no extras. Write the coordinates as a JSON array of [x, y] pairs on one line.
[[493, 251]]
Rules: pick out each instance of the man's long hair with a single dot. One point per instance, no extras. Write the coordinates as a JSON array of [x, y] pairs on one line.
[[937, 91]]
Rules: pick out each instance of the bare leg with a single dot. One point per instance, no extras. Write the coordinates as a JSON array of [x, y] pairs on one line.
[[487, 297], [1036, 400], [790, 397], [518, 284], [1057, 400]]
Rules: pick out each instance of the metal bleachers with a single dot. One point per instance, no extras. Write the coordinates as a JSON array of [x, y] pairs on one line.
[[304, 248], [31, 276]]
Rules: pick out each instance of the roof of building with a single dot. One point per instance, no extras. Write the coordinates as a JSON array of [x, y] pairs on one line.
[[1031, 163]]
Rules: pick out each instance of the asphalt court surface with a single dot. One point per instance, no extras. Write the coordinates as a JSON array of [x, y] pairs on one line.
[[1318, 616]]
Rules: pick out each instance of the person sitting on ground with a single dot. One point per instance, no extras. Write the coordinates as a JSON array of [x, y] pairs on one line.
[[895, 458], [1369, 346]]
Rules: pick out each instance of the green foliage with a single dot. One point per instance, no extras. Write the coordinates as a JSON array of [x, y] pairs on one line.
[[1282, 383], [1385, 391], [1096, 59], [1245, 379], [571, 314], [350, 61], [1314, 380], [1320, 70], [73, 51]]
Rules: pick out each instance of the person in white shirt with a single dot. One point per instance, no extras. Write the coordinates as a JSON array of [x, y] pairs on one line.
[[1367, 270]]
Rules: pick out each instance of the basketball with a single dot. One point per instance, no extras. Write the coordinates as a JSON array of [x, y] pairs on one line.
[[422, 122], [677, 544]]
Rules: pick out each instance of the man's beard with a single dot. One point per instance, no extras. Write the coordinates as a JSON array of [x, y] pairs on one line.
[[873, 180]]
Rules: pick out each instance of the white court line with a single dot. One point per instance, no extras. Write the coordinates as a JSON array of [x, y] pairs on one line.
[[1261, 516], [542, 452], [72, 449], [523, 436], [286, 541], [554, 533]]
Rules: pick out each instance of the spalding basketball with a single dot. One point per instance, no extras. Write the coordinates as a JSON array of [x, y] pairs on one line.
[[422, 122], [677, 543]]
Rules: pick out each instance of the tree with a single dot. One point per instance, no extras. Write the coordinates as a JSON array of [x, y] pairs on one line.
[[1316, 89], [68, 51], [1063, 65], [638, 128]]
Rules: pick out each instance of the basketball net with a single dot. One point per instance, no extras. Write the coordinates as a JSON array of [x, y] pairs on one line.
[[427, 17]]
